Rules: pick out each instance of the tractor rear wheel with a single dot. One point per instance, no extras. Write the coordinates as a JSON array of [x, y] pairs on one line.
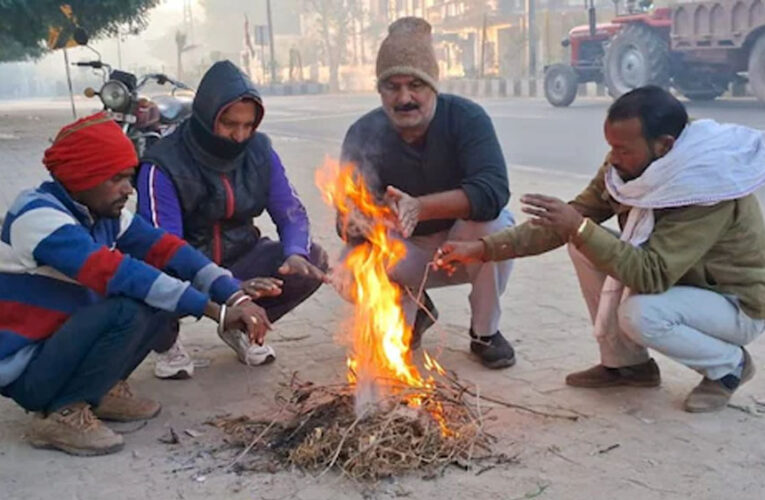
[[561, 84], [636, 57], [757, 68]]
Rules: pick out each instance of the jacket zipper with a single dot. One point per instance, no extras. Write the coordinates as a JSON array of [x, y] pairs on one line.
[[230, 203]]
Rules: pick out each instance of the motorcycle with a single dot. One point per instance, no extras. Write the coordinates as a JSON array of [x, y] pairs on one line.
[[144, 120]]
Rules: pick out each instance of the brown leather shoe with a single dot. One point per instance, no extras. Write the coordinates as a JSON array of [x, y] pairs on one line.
[[713, 395], [642, 375], [120, 404], [75, 430]]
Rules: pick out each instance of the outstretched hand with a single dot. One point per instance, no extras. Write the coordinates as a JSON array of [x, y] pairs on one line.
[[452, 253], [553, 213], [299, 265], [407, 209], [262, 287]]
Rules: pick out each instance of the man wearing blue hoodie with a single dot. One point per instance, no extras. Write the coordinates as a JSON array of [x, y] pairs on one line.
[[207, 181]]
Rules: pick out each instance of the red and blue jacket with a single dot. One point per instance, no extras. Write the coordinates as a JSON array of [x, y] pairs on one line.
[[55, 259]]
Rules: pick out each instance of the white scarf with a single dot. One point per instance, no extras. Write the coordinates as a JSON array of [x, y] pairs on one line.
[[709, 163]]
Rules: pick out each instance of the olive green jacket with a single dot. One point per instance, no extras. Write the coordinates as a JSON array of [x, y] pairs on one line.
[[719, 247]]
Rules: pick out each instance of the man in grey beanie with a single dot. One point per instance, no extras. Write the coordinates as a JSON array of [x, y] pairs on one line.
[[436, 161]]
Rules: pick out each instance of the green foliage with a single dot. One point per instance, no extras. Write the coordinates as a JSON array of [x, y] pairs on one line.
[[24, 24]]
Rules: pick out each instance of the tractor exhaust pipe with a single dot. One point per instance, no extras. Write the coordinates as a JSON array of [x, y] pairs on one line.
[[590, 4]]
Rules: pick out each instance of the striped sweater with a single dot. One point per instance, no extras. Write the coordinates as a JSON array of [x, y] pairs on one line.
[[55, 259]]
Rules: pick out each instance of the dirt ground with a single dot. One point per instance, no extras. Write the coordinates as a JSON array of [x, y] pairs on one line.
[[630, 443]]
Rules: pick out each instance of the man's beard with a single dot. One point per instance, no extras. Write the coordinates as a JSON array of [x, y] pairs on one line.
[[628, 176]]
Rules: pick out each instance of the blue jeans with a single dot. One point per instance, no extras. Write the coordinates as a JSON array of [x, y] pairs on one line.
[[701, 329], [98, 346]]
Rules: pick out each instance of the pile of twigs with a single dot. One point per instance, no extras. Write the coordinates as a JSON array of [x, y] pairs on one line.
[[318, 429]]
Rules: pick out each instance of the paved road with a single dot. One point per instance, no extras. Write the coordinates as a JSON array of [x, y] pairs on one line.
[[532, 133], [654, 449]]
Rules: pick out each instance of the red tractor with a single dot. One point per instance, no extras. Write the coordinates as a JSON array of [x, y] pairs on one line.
[[697, 48]]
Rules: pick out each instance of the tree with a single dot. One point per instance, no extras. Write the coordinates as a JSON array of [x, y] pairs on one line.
[[24, 24], [333, 18]]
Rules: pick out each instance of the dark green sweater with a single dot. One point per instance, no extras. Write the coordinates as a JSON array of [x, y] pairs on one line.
[[460, 151]]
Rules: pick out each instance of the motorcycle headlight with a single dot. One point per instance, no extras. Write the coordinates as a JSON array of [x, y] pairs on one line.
[[115, 95]]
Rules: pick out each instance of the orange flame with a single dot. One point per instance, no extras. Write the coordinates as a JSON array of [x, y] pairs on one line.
[[379, 363]]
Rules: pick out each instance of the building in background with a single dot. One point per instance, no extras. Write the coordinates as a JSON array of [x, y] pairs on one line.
[[482, 38]]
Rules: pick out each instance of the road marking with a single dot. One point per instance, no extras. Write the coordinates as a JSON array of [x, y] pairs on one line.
[[316, 117], [549, 171], [520, 117], [289, 136]]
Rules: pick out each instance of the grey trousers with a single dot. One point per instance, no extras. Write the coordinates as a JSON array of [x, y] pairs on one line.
[[488, 280], [698, 328]]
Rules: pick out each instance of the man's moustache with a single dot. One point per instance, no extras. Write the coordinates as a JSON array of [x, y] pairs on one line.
[[406, 107]]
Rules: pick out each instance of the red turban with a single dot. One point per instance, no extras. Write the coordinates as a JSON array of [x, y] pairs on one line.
[[88, 152]]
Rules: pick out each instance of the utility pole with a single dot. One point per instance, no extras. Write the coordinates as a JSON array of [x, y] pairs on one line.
[[180, 46], [483, 46], [119, 51], [271, 41], [531, 14], [188, 21], [260, 39], [361, 36], [69, 82]]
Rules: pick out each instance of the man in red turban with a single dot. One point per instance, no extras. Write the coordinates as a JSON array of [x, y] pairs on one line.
[[87, 290], [88, 152]]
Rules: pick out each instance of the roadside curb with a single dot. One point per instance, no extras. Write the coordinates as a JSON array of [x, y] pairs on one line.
[[534, 87], [297, 88], [517, 87]]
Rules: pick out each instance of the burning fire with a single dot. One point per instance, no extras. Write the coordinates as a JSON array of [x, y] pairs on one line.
[[379, 363]]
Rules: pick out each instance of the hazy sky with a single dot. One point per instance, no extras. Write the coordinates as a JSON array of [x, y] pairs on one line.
[[156, 46]]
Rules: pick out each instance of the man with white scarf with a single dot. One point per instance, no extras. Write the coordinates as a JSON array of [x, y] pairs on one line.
[[687, 275]]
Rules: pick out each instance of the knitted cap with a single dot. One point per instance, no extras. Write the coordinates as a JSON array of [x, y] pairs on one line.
[[408, 50]]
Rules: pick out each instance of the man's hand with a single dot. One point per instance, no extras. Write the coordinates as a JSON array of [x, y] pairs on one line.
[[553, 213], [459, 252], [407, 209], [249, 318], [297, 264], [355, 225], [262, 287]]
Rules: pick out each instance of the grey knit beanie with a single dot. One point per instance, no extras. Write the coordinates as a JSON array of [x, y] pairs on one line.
[[408, 50]]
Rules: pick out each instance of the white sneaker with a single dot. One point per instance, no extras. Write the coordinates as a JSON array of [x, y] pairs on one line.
[[260, 355], [248, 354], [174, 363]]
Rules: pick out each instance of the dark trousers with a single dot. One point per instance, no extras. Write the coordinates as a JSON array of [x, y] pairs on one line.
[[98, 346], [263, 260]]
